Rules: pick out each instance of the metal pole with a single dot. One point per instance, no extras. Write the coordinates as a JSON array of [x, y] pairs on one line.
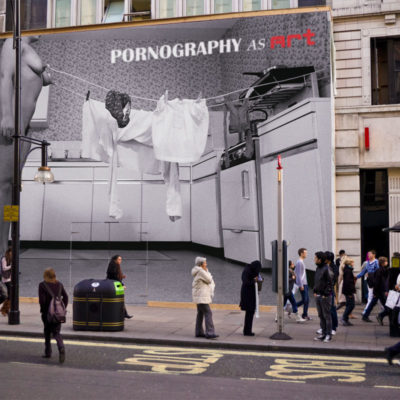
[[13, 316], [280, 250]]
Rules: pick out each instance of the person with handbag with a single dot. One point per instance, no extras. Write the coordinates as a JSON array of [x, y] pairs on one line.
[[203, 292], [6, 279], [394, 351], [348, 290], [48, 289]]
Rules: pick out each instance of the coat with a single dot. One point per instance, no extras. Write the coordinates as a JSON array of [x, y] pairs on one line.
[[45, 297], [349, 286], [323, 283], [248, 290], [202, 286]]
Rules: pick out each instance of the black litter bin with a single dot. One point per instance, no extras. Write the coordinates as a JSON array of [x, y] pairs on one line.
[[98, 305]]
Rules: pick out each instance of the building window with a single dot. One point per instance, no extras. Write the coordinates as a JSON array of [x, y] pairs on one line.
[[222, 6], [62, 13], [88, 12], [140, 9], [385, 70], [114, 11], [194, 7], [276, 4], [33, 15], [308, 3], [167, 9], [251, 5]]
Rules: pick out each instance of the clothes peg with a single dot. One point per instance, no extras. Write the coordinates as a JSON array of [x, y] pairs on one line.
[[87, 95], [166, 96], [199, 97]]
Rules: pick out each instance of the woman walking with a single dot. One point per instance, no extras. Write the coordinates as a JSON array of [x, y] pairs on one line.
[[6, 279], [203, 291], [49, 288], [114, 272], [248, 295], [348, 290]]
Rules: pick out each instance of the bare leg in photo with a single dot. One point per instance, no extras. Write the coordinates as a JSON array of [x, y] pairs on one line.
[[33, 78]]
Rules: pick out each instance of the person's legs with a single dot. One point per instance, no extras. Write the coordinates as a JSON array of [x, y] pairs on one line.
[[372, 304], [199, 321], [293, 303], [56, 331], [369, 299], [326, 313], [334, 314], [385, 311], [210, 331], [350, 303], [47, 336], [248, 323], [306, 302]]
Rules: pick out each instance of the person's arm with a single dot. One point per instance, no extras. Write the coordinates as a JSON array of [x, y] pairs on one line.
[[205, 276], [42, 297], [363, 271], [299, 273], [64, 296], [7, 71]]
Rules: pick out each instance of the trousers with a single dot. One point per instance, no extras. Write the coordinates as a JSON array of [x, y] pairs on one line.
[[304, 301], [51, 329], [248, 322], [204, 312], [324, 305], [350, 304]]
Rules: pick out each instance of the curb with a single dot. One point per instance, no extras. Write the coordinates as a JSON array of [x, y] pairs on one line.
[[210, 344]]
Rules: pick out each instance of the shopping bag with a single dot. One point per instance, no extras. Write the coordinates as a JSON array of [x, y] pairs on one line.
[[392, 299]]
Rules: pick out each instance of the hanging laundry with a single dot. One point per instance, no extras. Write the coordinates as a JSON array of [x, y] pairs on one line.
[[129, 147], [239, 118], [119, 105], [180, 129]]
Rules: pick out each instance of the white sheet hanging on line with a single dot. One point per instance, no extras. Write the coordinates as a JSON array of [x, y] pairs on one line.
[[180, 129], [129, 147]]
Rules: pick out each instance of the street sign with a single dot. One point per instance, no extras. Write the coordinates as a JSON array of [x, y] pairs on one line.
[[11, 213]]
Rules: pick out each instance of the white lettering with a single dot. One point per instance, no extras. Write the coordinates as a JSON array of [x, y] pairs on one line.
[[128, 55], [201, 49], [165, 51], [114, 55], [177, 50]]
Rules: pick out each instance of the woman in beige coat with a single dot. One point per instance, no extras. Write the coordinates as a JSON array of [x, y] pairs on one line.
[[203, 291]]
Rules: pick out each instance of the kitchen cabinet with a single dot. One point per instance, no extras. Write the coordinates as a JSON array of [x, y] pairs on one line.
[[31, 211]]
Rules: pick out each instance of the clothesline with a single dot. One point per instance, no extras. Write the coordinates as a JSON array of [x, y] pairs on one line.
[[221, 96]]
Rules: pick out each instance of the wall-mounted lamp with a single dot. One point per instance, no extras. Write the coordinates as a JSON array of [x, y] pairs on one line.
[[44, 174]]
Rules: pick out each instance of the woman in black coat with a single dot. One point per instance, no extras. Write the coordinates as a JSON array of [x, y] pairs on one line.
[[248, 295]]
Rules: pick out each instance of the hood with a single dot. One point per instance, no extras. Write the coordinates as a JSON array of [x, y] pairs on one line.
[[195, 270], [255, 266]]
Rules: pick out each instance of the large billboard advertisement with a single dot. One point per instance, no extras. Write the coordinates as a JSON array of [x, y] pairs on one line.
[[171, 132]]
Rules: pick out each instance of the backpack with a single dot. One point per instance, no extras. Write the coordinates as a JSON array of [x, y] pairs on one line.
[[57, 312]]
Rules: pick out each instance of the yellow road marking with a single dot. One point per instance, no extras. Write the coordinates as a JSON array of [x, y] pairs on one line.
[[387, 387], [132, 371], [271, 380], [197, 350]]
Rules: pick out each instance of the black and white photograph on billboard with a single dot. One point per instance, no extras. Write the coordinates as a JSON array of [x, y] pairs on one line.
[[164, 140]]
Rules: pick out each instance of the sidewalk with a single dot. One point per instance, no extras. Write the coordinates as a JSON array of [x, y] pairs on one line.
[[175, 326]]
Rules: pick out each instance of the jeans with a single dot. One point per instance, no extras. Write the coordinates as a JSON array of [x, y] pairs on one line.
[[350, 304], [248, 322], [304, 301], [372, 304], [394, 350], [324, 305], [290, 297], [204, 312], [50, 329], [334, 314]]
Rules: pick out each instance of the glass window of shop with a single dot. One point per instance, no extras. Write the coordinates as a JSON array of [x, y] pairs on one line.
[[139, 6], [33, 15], [222, 6], [194, 7], [62, 13], [114, 11], [276, 4], [88, 12], [167, 8], [252, 5]]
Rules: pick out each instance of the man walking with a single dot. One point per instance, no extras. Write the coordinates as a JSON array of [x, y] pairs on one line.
[[371, 266], [323, 296], [301, 282], [334, 273], [380, 291]]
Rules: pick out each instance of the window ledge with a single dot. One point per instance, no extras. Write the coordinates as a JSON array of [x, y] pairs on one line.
[[383, 108]]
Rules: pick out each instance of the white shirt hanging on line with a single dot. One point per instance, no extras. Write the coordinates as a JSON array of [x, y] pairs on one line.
[[180, 129], [129, 147]]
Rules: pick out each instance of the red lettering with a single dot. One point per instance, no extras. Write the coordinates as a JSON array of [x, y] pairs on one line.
[[291, 37], [277, 40], [309, 35]]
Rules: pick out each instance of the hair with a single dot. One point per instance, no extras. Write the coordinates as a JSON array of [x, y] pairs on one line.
[[330, 256], [8, 256], [341, 252], [115, 258], [200, 261], [49, 275], [382, 261], [373, 252], [301, 250], [321, 256], [348, 261]]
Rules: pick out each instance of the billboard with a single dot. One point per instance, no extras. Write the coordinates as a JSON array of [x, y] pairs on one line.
[[170, 132]]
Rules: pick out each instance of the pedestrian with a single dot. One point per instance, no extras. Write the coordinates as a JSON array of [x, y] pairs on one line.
[[367, 272], [203, 292], [6, 261], [338, 262], [348, 290], [301, 282], [323, 288], [49, 288], [3, 299], [334, 272], [342, 256], [114, 272], [289, 296], [248, 295], [380, 291], [392, 352]]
